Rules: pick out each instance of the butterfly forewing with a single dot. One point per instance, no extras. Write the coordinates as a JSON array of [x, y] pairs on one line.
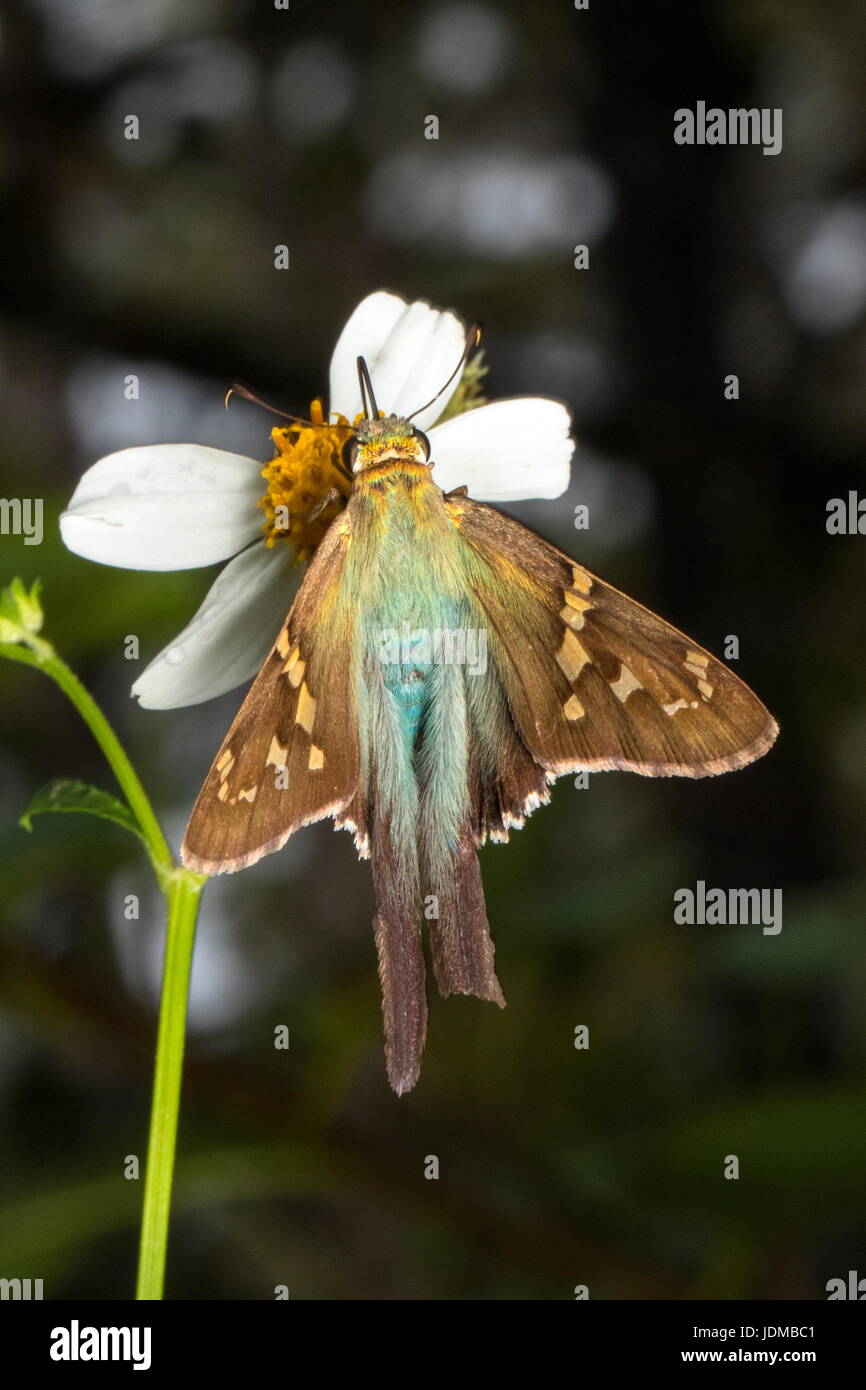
[[594, 680], [291, 756]]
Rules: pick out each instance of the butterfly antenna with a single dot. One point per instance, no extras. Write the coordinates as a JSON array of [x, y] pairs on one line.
[[371, 411], [473, 338], [238, 390]]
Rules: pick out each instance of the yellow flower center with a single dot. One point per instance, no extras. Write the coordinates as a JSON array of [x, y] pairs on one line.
[[306, 488]]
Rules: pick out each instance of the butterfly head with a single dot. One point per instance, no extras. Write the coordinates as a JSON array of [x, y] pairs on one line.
[[385, 437]]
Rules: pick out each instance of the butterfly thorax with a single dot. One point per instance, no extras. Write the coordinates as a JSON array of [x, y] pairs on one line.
[[404, 543], [403, 566]]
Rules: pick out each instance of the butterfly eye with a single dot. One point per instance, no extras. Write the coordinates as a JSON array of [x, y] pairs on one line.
[[425, 442], [350, 453]]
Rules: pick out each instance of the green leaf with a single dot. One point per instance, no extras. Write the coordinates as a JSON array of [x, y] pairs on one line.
[[470, 389], [79, 796]]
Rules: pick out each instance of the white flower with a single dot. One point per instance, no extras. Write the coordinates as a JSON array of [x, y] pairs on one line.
[[180, 506]]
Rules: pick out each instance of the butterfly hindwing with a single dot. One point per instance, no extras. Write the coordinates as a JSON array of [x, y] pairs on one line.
[[594, 680], [291, 756]]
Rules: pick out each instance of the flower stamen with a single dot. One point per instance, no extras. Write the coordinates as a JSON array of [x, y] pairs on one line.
[[306, 486]]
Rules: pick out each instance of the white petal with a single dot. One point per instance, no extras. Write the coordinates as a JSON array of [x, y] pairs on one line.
[[364, 333], [505, 451], [165, 507], [410, 350], [230, 635]]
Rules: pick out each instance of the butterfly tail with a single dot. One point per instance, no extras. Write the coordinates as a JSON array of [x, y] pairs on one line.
[[453, 893], [460, 942], [402, 971]]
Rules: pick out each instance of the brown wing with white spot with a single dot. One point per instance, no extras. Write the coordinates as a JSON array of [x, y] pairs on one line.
[[291, 756], [594, 680]]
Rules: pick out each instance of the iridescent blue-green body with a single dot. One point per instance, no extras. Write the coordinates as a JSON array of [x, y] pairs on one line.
[[419, 647]]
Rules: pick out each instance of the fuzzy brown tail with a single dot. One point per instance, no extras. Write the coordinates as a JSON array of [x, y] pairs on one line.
[[460, 941], [401, 960]]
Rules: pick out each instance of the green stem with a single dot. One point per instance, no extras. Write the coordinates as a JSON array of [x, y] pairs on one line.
[[183, 900], [182, 891], [44, 658]]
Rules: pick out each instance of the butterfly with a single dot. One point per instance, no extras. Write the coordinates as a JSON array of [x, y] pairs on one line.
[[439, 668]]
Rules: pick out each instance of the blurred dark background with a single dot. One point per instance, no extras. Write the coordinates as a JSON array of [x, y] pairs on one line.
[[558, 1167]]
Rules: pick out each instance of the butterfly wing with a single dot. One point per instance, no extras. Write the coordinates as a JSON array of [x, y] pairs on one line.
[[291, 756], [592, 679]]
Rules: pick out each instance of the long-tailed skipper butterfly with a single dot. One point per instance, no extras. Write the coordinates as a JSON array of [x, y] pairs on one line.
[[423, 757]]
